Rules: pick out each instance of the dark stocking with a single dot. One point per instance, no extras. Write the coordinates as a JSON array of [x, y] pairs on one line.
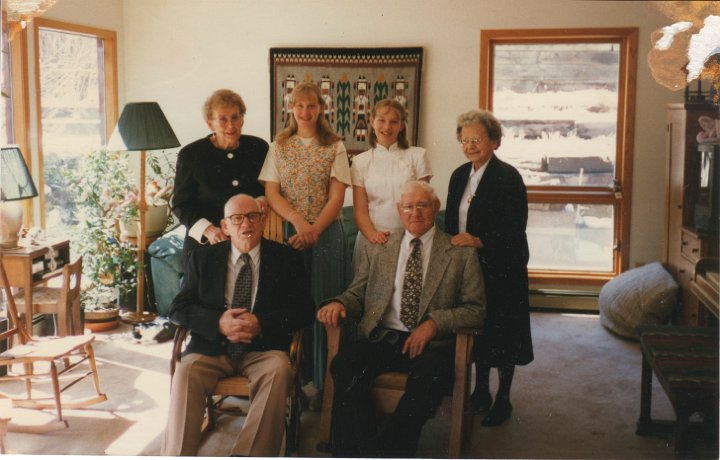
[[481, 398], [502, 408], [505, 376]]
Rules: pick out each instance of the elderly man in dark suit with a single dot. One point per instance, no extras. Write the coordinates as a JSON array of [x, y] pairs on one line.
[[241, 300], [409, 296]]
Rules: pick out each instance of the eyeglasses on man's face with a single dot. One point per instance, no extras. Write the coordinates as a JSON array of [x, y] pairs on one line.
[[472, 141], [237, 219], [423, 206], [223, 121]]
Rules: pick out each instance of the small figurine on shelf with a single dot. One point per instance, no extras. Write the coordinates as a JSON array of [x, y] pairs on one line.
[[711, 130]]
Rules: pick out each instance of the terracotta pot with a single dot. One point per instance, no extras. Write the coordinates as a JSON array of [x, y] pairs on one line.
[[101, 320]]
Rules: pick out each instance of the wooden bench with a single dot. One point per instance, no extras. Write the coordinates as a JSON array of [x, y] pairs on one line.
[[685, 362]]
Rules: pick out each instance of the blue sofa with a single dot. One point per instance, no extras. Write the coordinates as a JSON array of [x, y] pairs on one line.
[[166, 268]]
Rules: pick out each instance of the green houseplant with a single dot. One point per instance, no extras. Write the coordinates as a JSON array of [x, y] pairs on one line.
[[158, 193], [99, 186]]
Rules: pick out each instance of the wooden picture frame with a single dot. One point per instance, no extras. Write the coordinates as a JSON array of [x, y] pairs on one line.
[[352, 80]]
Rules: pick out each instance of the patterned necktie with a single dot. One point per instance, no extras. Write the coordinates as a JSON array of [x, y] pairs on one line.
[[412, 286], [242, 295]]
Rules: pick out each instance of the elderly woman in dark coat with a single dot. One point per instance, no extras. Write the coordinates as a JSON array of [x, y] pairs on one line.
[[487, 209], [214, 168]]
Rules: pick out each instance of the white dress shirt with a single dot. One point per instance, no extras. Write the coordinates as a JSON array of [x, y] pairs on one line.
[[469, 195]]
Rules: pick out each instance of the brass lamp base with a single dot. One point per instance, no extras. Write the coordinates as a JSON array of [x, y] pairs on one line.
[[136, 318]]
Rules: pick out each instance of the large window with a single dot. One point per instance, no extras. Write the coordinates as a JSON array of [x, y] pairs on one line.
[[565, 99], [6, 126], [77, 107]]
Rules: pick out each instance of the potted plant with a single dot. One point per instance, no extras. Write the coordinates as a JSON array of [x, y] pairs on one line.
[[100, 311], [158, 193], [100, 184]]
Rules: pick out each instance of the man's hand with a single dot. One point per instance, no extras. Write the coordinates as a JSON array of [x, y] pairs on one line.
[[239, 325], [332, 314], [419, 338]]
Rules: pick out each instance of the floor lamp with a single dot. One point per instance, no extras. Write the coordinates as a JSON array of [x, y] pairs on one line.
[[142, 126]]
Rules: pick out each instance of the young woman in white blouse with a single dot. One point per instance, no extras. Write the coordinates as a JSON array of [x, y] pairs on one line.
[[379, 173]]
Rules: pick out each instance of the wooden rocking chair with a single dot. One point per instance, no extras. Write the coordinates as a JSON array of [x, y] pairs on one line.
[[59, 355]]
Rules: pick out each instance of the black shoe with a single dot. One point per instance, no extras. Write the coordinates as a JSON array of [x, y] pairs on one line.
[[499, 413], [166, 333], [480, 402]]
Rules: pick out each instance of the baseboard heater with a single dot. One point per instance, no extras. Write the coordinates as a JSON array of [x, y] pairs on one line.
[[564, 299]]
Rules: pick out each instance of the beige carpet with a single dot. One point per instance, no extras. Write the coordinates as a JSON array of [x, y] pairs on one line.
[[578, 399]]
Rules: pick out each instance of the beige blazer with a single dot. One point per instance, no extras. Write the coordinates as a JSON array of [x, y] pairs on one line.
[[453, 290]]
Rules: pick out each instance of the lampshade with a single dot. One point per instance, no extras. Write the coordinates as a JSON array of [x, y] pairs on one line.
[[142, 126], [15, 180]]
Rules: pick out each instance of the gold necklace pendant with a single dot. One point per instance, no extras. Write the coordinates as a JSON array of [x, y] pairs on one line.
[[470, 198]]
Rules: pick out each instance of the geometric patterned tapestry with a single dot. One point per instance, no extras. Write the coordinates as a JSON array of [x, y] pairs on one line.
[[352, 81]]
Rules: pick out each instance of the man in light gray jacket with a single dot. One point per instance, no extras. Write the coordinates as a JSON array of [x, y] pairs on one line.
[[408, 296]]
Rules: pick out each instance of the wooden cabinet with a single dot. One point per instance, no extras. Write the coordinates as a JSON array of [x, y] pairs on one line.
[[684, 245]]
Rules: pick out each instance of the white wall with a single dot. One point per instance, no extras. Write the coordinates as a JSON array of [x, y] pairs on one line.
[[178, 51]]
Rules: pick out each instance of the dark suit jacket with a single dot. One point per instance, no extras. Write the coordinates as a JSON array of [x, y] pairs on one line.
[[282, 304], [206, 178], [498, 215]]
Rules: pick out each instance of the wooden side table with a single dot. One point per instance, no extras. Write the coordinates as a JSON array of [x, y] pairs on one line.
[[27, 267]]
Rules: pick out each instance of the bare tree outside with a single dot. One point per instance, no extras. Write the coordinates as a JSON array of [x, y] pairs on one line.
[[558, 107], [73, 121]]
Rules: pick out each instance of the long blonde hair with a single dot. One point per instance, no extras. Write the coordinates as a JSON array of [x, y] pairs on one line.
[[402, 139], [325, 134]]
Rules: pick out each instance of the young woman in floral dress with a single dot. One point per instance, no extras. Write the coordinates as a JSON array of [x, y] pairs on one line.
[[305, 173]]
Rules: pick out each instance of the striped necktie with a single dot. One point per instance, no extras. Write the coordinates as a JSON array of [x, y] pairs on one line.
[[242, 295]]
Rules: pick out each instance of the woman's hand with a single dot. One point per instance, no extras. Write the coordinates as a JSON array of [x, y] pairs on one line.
[[379, 237], [214, 234], [306, 235], [467, 240], [263, 204]]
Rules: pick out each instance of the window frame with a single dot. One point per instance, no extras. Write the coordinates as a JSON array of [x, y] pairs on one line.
[[110, 73], [627, 39], [19, 89]]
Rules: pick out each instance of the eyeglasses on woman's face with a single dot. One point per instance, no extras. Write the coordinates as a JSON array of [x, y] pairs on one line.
[[224, 121], [237, 219], [472, 141]]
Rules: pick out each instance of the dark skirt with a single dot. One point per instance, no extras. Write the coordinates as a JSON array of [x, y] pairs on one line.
[[507, 339], [325, 266]]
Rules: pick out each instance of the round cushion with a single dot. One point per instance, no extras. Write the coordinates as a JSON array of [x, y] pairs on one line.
[[643, 295]]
